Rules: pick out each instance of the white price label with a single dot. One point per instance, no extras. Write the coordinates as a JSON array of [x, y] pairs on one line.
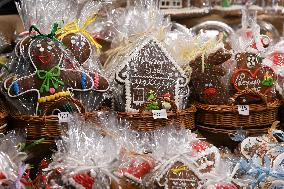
[[243, 109], [160, 114], [64, 117]]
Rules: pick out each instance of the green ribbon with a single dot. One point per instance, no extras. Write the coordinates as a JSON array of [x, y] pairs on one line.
[[51, 35], [49, 76]]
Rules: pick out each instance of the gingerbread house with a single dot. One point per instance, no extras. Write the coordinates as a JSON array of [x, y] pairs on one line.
[[178, 173], [150, 68]]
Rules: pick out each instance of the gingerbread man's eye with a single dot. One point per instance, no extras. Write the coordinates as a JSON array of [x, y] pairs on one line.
[[206, 85], [41, 49]]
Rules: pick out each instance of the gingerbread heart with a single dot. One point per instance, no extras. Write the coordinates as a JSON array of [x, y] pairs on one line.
[[261, 80]]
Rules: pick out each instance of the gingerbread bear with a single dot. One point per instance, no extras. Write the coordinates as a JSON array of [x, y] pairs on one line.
[[207, 79], [49, 81]]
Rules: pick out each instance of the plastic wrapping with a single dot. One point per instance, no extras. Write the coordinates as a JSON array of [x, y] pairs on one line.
[[140, 58], [45, 78], [261, 165], [97, 152], [250, 49], [11, 160]]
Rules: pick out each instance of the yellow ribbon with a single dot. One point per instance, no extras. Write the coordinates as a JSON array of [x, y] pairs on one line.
[[74, 27], [3, 60], [179, 169], [190, 54]]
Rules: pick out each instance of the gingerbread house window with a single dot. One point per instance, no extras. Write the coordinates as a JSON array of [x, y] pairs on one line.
[[138, 96], [170, 3]]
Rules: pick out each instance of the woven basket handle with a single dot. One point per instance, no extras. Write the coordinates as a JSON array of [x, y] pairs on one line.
[[143, 108], [248, 92], [73, 100]]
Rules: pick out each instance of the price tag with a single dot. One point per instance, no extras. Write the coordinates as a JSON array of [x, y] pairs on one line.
[[243, 109], [160, 114], [64, 117]]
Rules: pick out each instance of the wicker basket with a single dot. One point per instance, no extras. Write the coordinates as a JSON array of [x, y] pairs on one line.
[[222, 137], [225, 119], [45, 126], [144, 121]]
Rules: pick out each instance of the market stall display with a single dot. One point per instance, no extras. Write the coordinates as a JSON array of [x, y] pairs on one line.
[[160, 106]]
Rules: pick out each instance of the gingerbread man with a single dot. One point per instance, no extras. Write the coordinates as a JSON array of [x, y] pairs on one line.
[[49, 81], [80, 43]]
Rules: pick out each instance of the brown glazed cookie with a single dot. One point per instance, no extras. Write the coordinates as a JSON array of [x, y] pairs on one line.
[[210, 88], [49, 81], [179, 175], [248, 60], [79, 46], [207, 79]]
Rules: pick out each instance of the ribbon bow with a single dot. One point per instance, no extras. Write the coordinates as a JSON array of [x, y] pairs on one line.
[[49, 76], [51, 35], [73, 27]]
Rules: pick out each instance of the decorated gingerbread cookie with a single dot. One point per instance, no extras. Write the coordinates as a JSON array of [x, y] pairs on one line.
[[208, 75], [207, 156], [78, 40], [179, 173], [150, 68], [250, 74], [255, 146], [49, 81]]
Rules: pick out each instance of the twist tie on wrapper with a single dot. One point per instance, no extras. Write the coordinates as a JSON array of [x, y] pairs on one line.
[[49, 76], [73, 27], [51, 35]]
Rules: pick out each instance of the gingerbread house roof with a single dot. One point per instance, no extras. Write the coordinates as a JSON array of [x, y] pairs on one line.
[[136, 51], [163, 169]]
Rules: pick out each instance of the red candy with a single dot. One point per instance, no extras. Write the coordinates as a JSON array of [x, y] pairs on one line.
[[85, 180], [200, 145], [225, 186], [2, 176]]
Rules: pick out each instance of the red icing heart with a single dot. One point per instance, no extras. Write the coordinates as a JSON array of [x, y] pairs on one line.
[[85, 180], [244, 79], [210, 91], [277, 58], [138, 170], [2, 176], [200, 145]]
